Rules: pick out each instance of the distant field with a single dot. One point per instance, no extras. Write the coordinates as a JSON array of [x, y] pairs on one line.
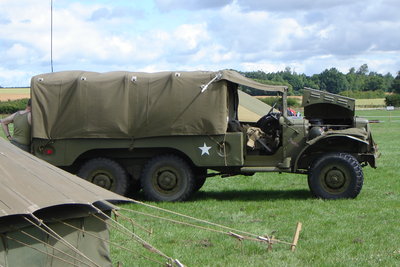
[[18, 93], [375, 102], [14, 93], [360, 103]]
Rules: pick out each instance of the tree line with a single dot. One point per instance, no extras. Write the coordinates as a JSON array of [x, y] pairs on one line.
[[355, 83]]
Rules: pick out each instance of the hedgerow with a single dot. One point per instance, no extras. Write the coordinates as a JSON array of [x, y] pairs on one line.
[[11, 106], [291, 102], [364, 94], [393, 100]]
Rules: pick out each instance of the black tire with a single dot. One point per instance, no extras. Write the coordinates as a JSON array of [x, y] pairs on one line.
[[335, 176], [200, 177], [167, 178], [105, 173], [134, 186]]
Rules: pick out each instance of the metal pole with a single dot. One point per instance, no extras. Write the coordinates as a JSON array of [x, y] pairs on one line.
[[51, 35]]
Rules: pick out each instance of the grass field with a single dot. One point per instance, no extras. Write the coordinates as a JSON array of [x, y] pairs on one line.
[[359, 232]]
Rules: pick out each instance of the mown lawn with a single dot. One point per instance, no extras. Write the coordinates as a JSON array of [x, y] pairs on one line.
[[357, 232]]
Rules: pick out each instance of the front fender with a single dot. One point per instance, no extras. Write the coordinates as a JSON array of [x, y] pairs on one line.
[[332, 143]]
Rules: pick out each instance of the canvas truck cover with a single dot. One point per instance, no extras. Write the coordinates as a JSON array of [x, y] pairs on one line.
[[79, 104]]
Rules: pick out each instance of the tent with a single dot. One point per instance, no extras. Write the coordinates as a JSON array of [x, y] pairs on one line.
[[250, 108], [49, 217]]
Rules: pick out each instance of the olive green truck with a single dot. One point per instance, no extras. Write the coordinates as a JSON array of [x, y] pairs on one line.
[[165, 133]]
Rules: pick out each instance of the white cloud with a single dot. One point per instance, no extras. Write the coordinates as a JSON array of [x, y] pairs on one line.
[[168, 5], [190, 36], [306, 35]]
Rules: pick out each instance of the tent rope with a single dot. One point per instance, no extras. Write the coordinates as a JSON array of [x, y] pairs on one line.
[[53, 247], [191, 218], [39, 223], [144, 243], [230, 233], [264, 238], [41, 251], [117, 214], [134, 252], [188, 217], [137, 238]]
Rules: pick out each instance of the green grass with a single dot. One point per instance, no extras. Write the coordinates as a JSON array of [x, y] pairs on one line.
[[357, 232]]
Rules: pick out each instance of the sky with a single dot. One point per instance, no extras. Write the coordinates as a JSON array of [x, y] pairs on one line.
[[308, 36]]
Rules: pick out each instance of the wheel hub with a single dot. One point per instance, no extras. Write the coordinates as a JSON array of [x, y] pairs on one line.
[[167, 180], [334, 179], [102, 180]]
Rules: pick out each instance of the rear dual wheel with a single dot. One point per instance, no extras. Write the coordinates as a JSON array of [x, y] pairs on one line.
[[335, 176], [105, 173]]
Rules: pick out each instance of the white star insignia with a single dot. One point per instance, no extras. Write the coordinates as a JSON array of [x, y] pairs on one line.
[[205, 149]]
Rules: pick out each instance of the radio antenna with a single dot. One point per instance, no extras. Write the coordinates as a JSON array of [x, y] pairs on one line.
[[51, 35]]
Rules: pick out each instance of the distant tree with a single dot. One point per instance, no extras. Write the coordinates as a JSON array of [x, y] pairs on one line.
[[330, 80], [363, 69], [354, 80], [333, 81], [388, 80], [373, 82], [294, 80], [396, 84], [309, 82]]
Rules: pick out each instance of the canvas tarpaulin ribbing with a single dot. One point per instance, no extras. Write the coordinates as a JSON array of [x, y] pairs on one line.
[[18, 248], [29, 184], [31, 188], [78, 104]]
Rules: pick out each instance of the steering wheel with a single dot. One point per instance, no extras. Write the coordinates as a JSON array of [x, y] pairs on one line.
[[274, 115], [272, 108], [267, 119]]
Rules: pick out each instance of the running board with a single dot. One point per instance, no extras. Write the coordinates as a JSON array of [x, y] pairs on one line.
[[260, 169]]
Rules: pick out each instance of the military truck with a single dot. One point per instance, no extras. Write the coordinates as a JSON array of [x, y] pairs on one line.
[[165, 133]]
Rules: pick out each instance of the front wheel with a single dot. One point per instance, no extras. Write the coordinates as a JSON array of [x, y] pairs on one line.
[[167, 178], [335, 176]]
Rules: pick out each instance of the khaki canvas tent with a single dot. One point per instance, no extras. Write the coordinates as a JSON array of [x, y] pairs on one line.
[[49, 217], [250, 108], [143, 104]]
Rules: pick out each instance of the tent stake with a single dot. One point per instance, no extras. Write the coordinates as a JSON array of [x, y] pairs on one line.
[[296, 236]]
